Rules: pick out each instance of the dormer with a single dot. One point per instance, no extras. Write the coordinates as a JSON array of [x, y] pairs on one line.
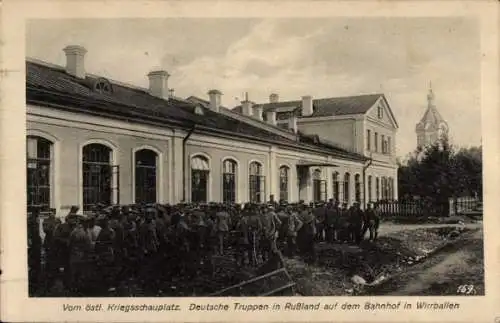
[[103, 86]]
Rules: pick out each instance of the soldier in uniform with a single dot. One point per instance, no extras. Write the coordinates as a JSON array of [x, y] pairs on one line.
[[105, 252], [293, 226], [222, 223], [355, 223], [61, 243], [149, 243], [307, 233], [331, 221], [92, 229], [130, 243], [254, 225], [79, 248], [343, 224], [371, 222], [242, 242], [320, 216], [270, 224], [34, 250], [49, 227], [283, 228]]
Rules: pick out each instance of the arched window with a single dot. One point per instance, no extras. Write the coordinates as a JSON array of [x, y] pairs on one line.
[[103, 86], [97, 176], [347, 179], [257, 185], [145, 176], [370, 189], [38, 162], [357, 188], [284, 173], [200, 170], [377, 188], [319, 186], [336, 186], [229, 181]]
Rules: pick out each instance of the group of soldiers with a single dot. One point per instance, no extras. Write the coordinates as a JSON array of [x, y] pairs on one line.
[[96, 252]]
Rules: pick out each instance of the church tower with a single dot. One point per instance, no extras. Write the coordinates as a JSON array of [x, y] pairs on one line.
[[432, 126]]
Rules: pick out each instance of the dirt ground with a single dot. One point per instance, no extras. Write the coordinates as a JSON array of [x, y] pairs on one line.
[[406, 260]]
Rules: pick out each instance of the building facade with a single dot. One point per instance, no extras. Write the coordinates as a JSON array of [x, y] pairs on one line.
[[363, 124], [432, 127], [92, 141]]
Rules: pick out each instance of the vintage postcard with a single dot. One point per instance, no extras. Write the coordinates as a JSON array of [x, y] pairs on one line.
[[249, 161]]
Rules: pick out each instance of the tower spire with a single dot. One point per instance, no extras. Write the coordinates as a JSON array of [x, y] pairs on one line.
[[430, 95]]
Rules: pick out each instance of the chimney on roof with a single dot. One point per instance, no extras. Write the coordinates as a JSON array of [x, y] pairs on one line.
[[258, 110], [75, 60], [158, 84], [292, 123], [274, 98], [271, 117], [307, 105], [215, 100], [246, 106]]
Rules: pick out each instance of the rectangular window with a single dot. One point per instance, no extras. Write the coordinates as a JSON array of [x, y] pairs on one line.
[[256, 188], [284, 184], [357, 188], [383, 143], [336, 187], [229, 188], [368, 139], [376, 141], [380, 112], [199, 184], [389, 146]]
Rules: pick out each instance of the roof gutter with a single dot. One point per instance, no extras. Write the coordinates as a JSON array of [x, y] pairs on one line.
[[184, 141], [365, 167]]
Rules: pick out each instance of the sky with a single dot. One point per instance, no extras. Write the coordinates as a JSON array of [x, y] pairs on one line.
[[322, 57]]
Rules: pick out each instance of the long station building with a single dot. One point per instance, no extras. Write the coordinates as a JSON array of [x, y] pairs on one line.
[[92, 140]]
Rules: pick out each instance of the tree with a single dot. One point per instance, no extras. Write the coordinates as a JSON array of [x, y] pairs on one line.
[[439, 172]]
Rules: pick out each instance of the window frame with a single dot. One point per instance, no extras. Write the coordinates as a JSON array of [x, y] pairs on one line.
[[256, 181], [47, 161], [143, 171], [336, 186], [284, 193], [357, 188], [380, 112], [201, 174], [368, 139], [97, 168], [229, 194], [346, 187]]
